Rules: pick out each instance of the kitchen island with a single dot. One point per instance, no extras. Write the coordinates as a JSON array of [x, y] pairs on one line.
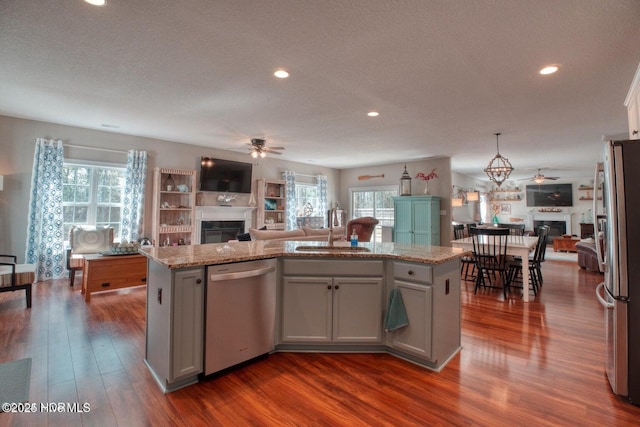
[[311, 298]]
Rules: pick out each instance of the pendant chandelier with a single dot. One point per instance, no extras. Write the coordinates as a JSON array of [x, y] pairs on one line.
[[499, 167]]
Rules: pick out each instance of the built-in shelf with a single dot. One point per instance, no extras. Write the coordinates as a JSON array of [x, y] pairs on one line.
[[272, 201]]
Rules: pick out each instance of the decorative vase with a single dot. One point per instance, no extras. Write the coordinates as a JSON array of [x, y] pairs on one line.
[[495, 219], [426, 188]]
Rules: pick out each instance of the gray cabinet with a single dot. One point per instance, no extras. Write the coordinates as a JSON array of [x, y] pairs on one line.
[[417, 220], [175, 321], [333, 301], [431, 296], [414, 283]]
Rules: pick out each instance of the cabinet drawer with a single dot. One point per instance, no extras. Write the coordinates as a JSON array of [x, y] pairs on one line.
[[332, 267], [412, 272]]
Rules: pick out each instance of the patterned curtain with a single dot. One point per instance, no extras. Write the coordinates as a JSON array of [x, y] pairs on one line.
[[322, 196], [45, 239], [290, 179], [133, 203]]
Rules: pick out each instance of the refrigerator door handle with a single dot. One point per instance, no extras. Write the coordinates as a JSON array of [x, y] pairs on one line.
[[600, 290], [596, 235]]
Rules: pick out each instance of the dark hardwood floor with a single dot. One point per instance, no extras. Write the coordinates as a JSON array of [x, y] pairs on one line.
[[540, 363]]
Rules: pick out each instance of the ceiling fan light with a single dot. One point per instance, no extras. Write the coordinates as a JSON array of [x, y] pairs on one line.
[[262, 154], [538, 180], [254, 154]]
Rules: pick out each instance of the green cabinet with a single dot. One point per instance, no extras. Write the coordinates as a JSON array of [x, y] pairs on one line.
[[417, 220]]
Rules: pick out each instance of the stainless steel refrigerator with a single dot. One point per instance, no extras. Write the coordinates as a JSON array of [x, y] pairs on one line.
[[617, 219]]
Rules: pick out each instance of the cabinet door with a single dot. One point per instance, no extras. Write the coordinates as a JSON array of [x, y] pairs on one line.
[[188, 323], [357, 309], [415, 338], [403, 223], [425, 223], [306, 309]]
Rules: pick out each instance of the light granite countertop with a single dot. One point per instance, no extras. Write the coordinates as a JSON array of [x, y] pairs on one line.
[[174, 257]]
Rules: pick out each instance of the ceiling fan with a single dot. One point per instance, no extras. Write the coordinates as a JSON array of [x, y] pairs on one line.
[[539, 178], [258, 148]]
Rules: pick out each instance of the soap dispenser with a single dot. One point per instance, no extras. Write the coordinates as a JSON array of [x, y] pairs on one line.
[[354, 238]]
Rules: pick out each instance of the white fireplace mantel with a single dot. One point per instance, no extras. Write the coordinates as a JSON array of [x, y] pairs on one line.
[[222, 213], [550, 216]]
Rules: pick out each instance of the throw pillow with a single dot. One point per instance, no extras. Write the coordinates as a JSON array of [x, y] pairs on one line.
[[91, 241]]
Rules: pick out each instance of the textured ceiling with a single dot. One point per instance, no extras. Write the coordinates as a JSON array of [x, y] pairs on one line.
[[445, 75]]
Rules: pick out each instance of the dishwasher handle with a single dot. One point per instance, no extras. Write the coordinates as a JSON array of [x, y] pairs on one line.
[[605, 303], [245, 274]]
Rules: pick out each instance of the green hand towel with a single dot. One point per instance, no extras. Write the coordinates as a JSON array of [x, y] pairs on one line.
[[396, 315]]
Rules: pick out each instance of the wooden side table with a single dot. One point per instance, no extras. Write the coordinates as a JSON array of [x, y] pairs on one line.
[[106, 273], [586, 230]]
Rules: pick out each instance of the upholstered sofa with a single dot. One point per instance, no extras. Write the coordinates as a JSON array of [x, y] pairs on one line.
[[303, 234], [587, 255]]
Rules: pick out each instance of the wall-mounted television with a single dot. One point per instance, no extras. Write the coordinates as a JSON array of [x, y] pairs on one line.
[[225, 175], [549, 195]]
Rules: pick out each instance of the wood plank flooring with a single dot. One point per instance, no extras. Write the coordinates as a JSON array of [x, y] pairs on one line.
[[540, 364]]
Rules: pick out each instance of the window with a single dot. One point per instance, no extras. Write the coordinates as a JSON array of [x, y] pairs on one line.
[[376, 202], [92, 195], [307, 198]]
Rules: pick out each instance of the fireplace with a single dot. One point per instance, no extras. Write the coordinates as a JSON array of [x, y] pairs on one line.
[[559, 222], [220, 231], [218, 224], [556, 228]]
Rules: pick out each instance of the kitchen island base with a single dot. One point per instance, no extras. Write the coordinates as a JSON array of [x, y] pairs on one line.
[[324, 302]]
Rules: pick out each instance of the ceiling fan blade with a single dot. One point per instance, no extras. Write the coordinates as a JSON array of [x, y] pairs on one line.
[[275, 148]]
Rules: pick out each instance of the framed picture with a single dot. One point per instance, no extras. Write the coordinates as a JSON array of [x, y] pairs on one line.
[[505, 209]]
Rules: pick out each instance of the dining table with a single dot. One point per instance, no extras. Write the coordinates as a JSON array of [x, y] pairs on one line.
[[520, 246]]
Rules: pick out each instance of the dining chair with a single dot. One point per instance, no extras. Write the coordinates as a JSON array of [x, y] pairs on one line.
[[514, 229], [535, 271], [470, 226], [490, 252], [466, 261]]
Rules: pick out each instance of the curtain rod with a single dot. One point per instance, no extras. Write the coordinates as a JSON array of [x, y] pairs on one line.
[[97, 149], [305, 175]]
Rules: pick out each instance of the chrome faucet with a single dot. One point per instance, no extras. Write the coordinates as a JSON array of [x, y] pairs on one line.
[[330, 238]]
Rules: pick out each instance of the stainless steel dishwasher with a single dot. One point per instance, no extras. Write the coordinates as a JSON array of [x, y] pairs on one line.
[[240, 313]]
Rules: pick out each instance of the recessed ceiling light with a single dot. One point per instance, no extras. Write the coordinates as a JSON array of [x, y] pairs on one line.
[[373, 114], [549, 70], [96, 2], [281, 74]]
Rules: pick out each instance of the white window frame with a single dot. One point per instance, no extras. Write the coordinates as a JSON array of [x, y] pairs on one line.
[[377, 236], [93, 186]]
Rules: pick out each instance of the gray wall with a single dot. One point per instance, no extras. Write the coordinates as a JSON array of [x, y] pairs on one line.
[[392, 172], [17, 138]]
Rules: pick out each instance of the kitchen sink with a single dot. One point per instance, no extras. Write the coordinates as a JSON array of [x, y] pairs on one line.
[[332, 248]]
